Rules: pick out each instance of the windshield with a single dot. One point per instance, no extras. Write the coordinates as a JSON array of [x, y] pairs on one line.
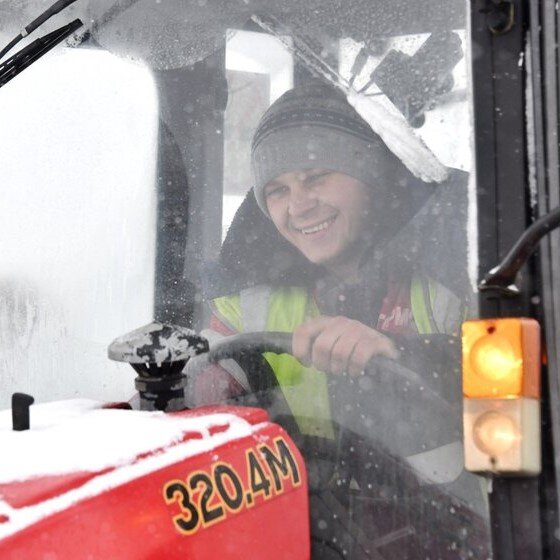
[[238, 167]]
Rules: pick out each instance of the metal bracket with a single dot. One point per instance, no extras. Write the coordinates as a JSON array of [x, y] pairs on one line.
[[500, 15]]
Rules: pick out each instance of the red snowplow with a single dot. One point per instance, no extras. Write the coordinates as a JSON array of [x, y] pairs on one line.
[[89, 480], [195, 484]]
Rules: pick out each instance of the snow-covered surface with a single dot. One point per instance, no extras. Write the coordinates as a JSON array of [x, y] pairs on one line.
[[530, 123], [156, 343], [391, 126], [78, 436], [472, 221]]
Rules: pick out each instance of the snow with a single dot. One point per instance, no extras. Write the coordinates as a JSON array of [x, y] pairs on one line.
[[386, 121], [78, 436], [530, 123]]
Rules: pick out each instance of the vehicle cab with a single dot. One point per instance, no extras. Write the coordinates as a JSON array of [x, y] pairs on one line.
[[128, 199]]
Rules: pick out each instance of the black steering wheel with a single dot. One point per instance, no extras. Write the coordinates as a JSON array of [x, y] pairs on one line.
[[394, 411], [424, 382]]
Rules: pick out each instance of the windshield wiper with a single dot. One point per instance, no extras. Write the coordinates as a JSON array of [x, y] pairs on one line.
[[29, 54], [37, 22], [35, 50]]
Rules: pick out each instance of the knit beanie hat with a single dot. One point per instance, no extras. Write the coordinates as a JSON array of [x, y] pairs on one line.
[[314, 127]]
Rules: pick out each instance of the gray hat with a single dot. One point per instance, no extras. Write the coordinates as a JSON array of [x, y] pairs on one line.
[[315, 127]]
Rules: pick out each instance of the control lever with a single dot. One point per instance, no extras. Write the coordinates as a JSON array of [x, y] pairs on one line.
[[158, 352]]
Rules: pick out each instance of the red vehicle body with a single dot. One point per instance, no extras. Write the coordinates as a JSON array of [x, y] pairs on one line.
[[228, 480]]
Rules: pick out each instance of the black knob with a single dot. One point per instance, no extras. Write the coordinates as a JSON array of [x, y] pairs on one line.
[[20, 411]]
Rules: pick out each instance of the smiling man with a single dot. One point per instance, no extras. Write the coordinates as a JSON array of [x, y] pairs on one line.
[[322, 213], [330, 245], [329, 199]]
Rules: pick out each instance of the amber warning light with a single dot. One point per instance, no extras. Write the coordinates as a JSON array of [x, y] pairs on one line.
[[501, 396]]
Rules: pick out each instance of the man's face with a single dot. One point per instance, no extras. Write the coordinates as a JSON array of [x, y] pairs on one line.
[[322, 213]]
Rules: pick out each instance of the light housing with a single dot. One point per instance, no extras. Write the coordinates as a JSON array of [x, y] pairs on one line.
[[501, 395]]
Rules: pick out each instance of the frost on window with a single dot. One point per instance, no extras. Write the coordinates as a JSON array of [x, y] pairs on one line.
[[77, 222]]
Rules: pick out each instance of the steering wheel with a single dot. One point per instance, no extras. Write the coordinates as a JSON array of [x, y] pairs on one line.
[[382, 418], [424, 399]]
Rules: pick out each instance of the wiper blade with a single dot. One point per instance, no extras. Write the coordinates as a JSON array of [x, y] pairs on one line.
[[37, 22], [35, 50]]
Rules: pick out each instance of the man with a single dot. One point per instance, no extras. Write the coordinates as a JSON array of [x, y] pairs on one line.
[[318, 250], [329, 246]]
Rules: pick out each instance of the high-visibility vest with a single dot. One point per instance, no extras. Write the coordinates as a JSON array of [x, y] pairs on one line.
[[263, 308]]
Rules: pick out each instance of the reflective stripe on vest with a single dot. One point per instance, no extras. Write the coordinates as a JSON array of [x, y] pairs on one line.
[[435, 308]]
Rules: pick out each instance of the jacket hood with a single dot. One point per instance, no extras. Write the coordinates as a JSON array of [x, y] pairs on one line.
[[425, 228]]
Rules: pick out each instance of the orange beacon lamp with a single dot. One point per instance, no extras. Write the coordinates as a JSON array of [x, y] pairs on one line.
[[501, 396]]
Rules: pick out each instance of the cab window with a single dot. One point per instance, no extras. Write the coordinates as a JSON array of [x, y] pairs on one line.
[[241, 168]]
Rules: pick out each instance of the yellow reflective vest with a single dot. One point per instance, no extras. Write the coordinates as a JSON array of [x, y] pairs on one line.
[[263, 308]]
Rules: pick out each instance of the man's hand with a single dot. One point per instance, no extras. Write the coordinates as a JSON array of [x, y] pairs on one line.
[[338, 344]]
